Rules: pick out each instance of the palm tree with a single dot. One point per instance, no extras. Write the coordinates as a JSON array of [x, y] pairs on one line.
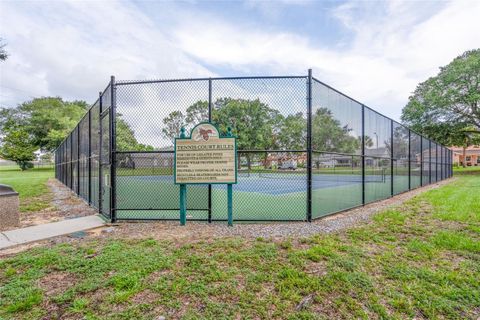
[[3, 52]]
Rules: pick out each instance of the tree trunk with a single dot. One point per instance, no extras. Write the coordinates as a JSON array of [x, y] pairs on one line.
[[464, 157]]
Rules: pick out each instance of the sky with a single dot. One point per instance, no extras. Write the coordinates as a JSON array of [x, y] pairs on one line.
[[375, 52]]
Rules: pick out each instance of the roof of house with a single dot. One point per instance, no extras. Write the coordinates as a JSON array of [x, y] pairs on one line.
[[472, 150], [460, 149]]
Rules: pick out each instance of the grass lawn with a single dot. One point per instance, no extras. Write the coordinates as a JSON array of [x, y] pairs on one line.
[[30, 184], [421, 260], [461, 170]]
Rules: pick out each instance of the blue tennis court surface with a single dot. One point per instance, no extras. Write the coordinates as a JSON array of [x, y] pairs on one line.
[[276, 184]]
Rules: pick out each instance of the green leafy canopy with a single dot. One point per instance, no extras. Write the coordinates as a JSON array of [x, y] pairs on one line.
[[446, 107], [43, 123]]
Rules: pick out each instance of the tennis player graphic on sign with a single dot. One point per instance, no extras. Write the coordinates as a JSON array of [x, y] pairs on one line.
[[204, 132]]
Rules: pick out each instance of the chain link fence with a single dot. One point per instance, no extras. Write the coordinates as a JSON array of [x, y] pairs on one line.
[[305, 150]]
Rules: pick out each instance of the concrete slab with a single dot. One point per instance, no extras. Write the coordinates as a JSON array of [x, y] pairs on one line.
[[4, 242], [48, 230]]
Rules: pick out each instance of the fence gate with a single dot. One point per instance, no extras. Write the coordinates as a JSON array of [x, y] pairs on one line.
[[105, 164]]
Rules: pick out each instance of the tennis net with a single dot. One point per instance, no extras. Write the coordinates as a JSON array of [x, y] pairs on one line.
[[318, 175]]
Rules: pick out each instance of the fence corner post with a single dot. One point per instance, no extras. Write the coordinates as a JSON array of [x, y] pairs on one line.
[[421, 160], [392, 159], [409, 160], [363, 154], [113, 151], [309, 146]]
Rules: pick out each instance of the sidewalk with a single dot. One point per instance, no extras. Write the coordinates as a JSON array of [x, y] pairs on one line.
[[49, 230]]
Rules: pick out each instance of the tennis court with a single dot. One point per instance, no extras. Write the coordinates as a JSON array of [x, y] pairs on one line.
[[287, 127]]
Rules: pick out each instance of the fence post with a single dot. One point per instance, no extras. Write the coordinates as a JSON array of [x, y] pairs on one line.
[[78, 158], [443, 162], [421, 161], [391, 157], [429, 161], [448, 163], [100, 145], [409, 161], [363, 154], [90, 156], [451, 163], [309, 146], [71, 161], [210, 120], [113, 150]]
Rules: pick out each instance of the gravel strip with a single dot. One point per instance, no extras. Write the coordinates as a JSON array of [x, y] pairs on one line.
[[67, 203], [64, 205]]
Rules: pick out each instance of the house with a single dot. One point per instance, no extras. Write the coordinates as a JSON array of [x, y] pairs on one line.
[[472, 156], [146, 160], [284, 160]]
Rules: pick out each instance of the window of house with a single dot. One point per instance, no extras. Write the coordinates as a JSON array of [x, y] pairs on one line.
[[469, 158]]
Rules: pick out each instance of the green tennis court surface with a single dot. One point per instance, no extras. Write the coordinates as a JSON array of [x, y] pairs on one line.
[[255, 197]]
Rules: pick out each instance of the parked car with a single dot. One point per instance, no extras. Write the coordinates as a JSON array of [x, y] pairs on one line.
[[288, 165]]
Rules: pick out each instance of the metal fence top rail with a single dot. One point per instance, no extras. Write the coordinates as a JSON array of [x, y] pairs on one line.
[[132, 82]]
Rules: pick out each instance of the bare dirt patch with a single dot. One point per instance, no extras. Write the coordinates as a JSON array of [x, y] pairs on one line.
[[56, 283], [145, 296], [64, 205]]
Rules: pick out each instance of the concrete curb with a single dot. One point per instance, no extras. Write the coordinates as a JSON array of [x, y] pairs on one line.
[[49, 230]]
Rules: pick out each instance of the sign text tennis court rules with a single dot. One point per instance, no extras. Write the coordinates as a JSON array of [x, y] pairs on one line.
[[205, 157]]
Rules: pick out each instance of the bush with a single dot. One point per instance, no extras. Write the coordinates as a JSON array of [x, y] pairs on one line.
[[25, 165]]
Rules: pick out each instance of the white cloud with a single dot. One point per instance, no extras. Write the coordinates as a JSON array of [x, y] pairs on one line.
[[70, 49], [395, 47]]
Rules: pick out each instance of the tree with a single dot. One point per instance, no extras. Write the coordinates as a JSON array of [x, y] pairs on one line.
[[367, 140], [16, 145], [252, 120], [293, 132], [125, 137], [400, 142], [259, 125], [329, 135], [446, 107], [173, 123], [3, 52], [197, 112], [48, 120]]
